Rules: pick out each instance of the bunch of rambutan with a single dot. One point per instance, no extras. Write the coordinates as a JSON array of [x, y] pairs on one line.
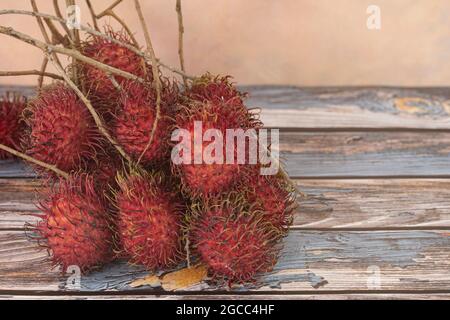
[[120, 195]]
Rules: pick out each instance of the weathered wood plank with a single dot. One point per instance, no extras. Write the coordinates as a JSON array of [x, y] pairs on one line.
[[366, 154], [348, 154], [13, 168], [311, 261], [351, 107], [380, 203], [360, 203], [328, 107]]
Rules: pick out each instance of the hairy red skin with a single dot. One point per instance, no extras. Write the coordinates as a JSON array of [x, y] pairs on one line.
[[210, 179], [75, 225], [149, 223], [133, 121], [218, 105], [11, 125], [101, 89], [62, 132], [235, 245], [215, 89], [274, 198]]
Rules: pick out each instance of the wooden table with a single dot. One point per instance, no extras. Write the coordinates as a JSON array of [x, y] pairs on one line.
[[375, 165]]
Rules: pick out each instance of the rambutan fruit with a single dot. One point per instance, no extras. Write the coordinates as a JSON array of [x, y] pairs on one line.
[[233, 240], [134, 118], [11, 124], [62, 131], [102, 90], [215, 89], [149, 221], [274, 196], [75, 225], [215, 177]]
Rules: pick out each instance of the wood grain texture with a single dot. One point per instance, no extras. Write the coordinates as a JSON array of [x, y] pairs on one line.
[[345, 154], [380, 203], [328, 107], [348, 146], [310, 261], [363, 107], [356, 204], [366, 154]]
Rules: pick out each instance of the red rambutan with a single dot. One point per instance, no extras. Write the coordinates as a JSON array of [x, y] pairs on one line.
[[75, 225], [101, 89], [133, 121], [149, 221], [11, 125], [233, 240], [275, 197], [213, 178], [62, 132], [215, 89]]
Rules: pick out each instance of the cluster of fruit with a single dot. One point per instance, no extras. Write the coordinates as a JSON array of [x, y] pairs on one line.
[[144, 208]]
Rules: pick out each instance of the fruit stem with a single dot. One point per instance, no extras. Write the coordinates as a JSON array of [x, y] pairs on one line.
[[46, 47], [99, 34], [180, 39], [93, 16], [29, 73], [59, 15], [35, 161], [91, 109], [156, 78]]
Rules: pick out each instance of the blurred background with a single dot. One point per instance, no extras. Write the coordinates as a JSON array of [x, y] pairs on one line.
[[295, 42]]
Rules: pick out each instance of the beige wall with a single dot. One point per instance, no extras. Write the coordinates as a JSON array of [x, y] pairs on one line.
[[301, 42]]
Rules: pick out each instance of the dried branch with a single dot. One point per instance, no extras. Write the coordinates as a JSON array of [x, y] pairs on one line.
[[68, 52], [125, 26], [180, 38], [29, 73], [93, 16], [111, 7], [59, 15], [41, 76], [110, 12], [75, 44], [104, 36], [98, 121], [35, 161], [156, 78]]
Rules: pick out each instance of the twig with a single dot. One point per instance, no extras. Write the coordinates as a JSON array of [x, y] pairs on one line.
[[104, 36], [59, 15], [41, 76], [42, 27], [111, 7], [35, 161], [93, 16], [30, 73], [180, 38], [156, 78], [75, 36], [98, 121], [125, 26], [110, 12], [68, 52]]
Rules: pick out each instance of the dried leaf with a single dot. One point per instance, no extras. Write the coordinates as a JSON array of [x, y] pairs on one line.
[[184, 278], [150, 280]]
